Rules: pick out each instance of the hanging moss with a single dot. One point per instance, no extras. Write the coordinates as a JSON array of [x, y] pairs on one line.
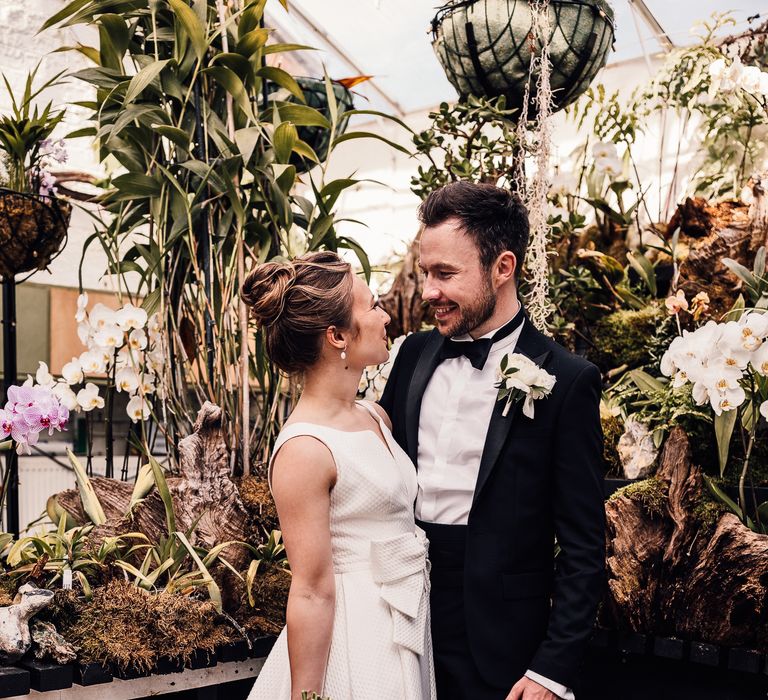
[[651, 494], [624, 337]]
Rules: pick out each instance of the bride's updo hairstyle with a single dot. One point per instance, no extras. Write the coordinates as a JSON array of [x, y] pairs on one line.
[[295, 302]]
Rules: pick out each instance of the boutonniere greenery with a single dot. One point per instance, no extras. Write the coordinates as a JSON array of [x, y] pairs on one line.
[[522, 379]]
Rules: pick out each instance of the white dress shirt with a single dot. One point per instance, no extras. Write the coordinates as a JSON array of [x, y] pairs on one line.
[[455, 414]]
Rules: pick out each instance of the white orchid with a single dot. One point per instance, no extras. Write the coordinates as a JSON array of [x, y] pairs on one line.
[[130, 317], [126, 379], [612, 167], [109, 336], [43, 376], [750, 79], [138, 409], [137, 339], [604, 149], [82, 303], [72, 372], [84, 332], [101, 316], [66, 396], [89, 398], [92, 362]]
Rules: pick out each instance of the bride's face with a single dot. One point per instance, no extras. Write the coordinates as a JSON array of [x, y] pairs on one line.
[[368, 345]]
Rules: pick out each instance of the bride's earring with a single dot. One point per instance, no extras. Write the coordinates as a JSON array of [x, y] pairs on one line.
[[344, 357]]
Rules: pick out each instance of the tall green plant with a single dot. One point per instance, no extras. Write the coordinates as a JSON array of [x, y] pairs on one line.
[[205, 182]]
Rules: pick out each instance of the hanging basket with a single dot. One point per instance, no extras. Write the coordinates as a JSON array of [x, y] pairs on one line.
[[33, 229], [318, 138], [485, 46]]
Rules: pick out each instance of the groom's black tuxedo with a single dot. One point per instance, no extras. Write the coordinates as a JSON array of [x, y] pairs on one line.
[[539, 478]]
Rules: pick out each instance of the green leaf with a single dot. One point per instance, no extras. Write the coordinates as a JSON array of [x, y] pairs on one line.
[[64, 13], [89, 52], [283, 79], [725, 499], [143, 79], [143, 485], [165, 494], [177, 136], [213, 590], [301, 115], [135, 185], [645, 382], [724, 424], [369, 135], [231, 82], [90, 501], [283, 141], [151, 302], [280, 48], [362, 256], [252, 41], [644, 268], [192, 26], [246, 140]]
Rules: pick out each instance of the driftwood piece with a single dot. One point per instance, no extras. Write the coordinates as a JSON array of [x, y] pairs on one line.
[[709, 233], [202, 489], [403, 301], [669, 572], [15, 638]]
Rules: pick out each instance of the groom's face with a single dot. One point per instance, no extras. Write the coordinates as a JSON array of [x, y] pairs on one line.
[[456, 285]]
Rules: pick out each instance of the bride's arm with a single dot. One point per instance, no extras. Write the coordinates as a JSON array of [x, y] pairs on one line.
[[302, 476]]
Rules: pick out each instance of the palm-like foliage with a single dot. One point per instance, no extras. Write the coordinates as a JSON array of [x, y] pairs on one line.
[[207, 183]]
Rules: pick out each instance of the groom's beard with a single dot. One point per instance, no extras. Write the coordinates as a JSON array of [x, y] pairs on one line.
[[475, 314]]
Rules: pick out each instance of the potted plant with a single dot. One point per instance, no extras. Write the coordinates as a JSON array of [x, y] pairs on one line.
[[33, 222]]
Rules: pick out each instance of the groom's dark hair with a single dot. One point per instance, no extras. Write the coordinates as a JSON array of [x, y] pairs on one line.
[[494, 218]]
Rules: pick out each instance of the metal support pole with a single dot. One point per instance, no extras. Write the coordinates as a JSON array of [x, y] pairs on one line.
[[9, 379]]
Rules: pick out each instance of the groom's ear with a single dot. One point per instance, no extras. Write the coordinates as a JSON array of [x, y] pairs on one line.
[[504, 268]]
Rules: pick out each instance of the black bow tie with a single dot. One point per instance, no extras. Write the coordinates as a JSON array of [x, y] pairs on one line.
[[476, 351]]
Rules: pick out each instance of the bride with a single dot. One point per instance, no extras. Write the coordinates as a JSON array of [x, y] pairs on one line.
[[358, 609]]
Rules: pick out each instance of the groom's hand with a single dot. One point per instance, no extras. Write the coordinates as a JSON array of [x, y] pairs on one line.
[[526, 689]]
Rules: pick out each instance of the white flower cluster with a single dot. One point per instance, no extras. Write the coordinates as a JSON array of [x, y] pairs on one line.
[[126, 341], [521, 378], [607, 160], [728, 77], [374, 379], [718, 359]]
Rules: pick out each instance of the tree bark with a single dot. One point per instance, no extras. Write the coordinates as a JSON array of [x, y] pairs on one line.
[[671, 573]]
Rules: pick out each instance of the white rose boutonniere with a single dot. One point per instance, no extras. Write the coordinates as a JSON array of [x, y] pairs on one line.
[[521, 378]]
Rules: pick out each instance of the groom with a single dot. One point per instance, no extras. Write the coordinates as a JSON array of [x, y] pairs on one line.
[[510, 621]]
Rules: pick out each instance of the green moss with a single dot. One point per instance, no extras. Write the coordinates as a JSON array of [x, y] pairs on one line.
[[651, 494], [613, 429], [625, 337], [708, 511]]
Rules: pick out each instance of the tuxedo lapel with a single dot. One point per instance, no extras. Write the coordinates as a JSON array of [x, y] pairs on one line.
[[425, 366], [532, 344]]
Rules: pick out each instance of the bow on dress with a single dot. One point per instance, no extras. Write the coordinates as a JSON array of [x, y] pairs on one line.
[[401, 567]]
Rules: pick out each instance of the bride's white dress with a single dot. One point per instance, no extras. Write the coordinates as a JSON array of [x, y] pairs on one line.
[[381, 647]]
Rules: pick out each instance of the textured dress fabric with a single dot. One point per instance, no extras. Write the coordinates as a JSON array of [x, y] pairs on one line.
[[380, 646]]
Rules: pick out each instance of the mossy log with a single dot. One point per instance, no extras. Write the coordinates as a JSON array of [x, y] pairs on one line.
[[672, 571], [203, 489]]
